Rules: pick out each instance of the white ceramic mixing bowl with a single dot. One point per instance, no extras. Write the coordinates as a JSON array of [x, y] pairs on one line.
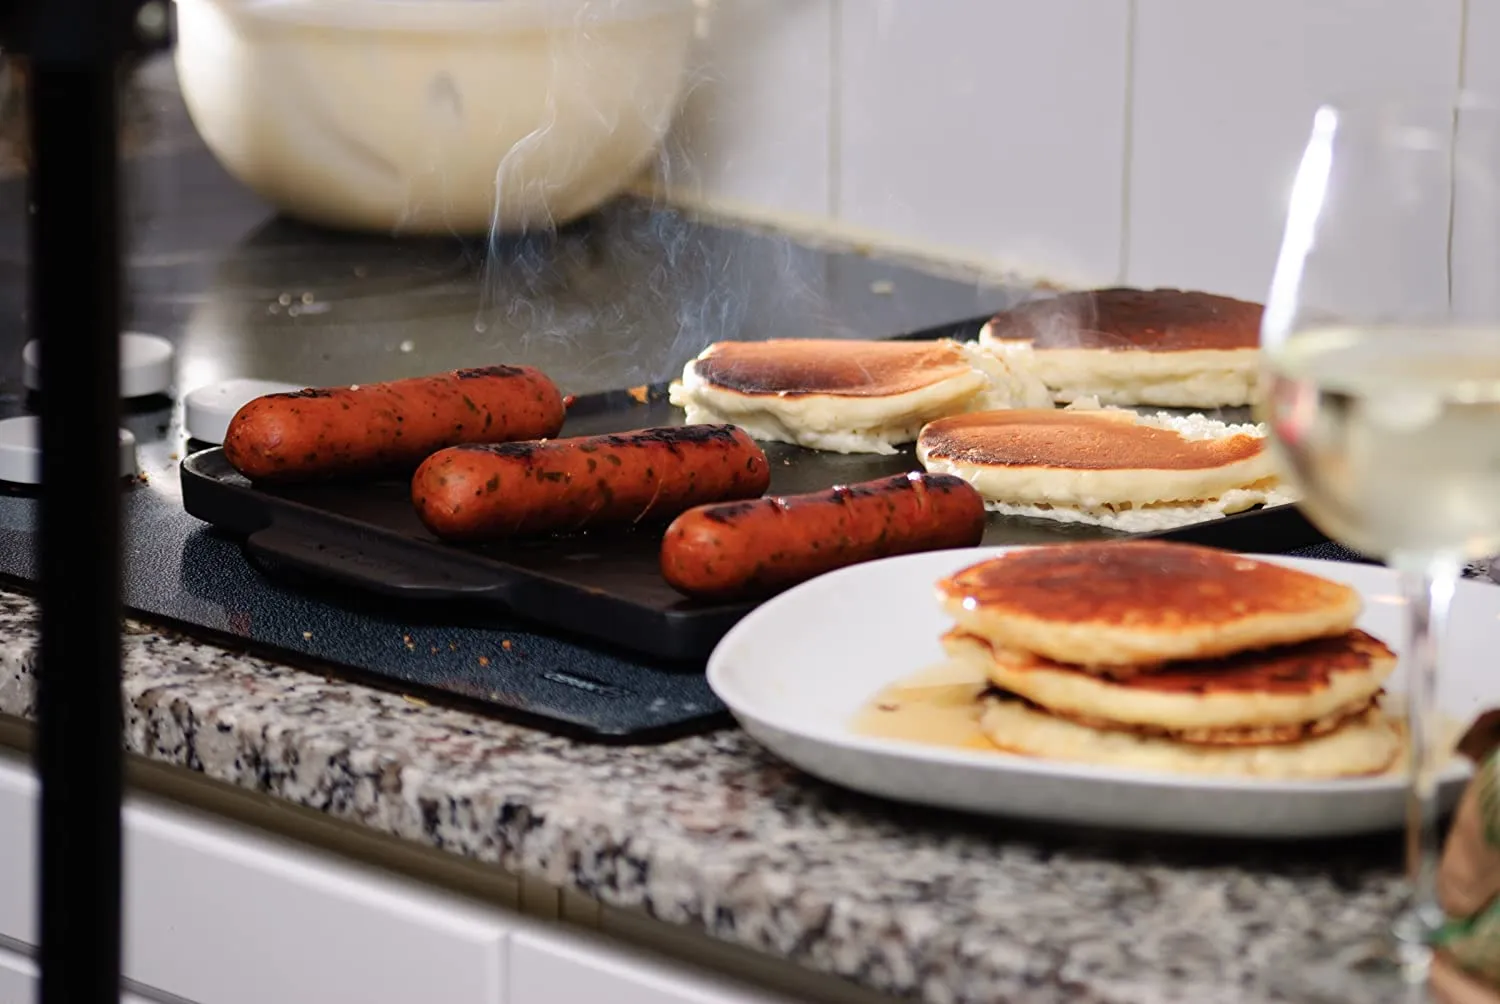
[[434, 116]]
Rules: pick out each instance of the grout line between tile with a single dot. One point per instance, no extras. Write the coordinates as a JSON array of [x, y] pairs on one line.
[[835, 108], [1463, 44], [1462, 83], [1128, 140]]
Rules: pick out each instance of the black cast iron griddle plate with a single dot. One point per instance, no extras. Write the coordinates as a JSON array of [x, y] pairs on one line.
[[604, 585]]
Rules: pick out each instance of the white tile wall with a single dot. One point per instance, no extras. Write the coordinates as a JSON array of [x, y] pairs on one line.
[[1080, 140], [1476, 244], [995, 129], [1223, 96], [754, 130]]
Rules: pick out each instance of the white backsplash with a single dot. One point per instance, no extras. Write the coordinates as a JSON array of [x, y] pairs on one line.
[[1223, 98], [755, 129], [1080, 141], [1475, 254], [953, 131]]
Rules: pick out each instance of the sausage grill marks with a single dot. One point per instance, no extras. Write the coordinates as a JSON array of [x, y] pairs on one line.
[[491, 492], [742, 549], [382, 428]]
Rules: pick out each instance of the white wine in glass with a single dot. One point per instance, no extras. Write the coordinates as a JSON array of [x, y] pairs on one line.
[[1382, 346]]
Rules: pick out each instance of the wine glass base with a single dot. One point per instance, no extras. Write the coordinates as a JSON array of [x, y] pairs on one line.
[[1382, 970]]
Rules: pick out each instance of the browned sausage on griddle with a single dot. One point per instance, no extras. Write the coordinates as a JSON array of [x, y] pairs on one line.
[[751, 548], [388, 427], [490, 492]]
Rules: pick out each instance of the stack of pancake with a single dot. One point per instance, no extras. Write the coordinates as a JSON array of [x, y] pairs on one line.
[[1163, 347], [1171, 657], [1108, 467], [848, 396]]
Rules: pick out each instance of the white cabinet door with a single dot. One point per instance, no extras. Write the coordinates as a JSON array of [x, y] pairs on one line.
[[547, 968], [18, 797], [226, 915], [18, 978], [223, 914], [19, 981]]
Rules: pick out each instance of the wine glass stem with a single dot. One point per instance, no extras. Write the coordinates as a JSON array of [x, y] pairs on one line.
[[1430, 583]]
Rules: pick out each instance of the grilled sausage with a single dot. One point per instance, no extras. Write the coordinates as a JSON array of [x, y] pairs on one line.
[[387, 427], [751, 548], [491, 492]]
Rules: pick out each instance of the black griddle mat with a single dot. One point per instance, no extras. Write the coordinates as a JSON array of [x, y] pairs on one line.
[[602, 585]]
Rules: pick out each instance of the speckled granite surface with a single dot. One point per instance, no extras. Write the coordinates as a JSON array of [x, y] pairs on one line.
[[714, 833]]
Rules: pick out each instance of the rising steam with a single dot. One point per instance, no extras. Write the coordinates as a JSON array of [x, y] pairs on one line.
[[544, 296]]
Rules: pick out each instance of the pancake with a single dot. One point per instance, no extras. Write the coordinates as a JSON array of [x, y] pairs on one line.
[[848, 396], [1237, 735], [1142, 603], [1256, 696], [1163, 347], [1108, 467], [1366, 744]]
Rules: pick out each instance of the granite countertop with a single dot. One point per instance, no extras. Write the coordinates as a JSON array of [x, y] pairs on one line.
[[713, 833]]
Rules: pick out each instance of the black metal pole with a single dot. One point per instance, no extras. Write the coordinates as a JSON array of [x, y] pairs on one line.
[[75, 311]]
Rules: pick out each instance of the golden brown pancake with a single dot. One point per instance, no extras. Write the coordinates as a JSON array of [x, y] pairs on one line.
[[794, 367], [1365, 743], [1148, 320], [1140, 603], [1230, 735], [1249, 694], [1162, 347], [847, 396], [1078, 440], [1294, 670], [1108, 467]]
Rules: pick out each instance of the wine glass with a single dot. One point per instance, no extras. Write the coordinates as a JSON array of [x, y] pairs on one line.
[[1381, 342]]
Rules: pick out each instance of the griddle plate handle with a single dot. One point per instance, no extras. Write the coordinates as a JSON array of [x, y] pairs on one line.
[[376, 569]]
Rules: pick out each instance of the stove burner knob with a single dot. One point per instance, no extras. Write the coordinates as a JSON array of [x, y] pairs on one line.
[[145, 365], [206, 411], [21, 451]]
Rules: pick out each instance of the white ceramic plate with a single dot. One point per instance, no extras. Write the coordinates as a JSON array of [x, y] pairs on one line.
[[797, 670]]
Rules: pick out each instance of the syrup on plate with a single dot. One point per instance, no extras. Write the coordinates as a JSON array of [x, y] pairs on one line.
[[938, 706]]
